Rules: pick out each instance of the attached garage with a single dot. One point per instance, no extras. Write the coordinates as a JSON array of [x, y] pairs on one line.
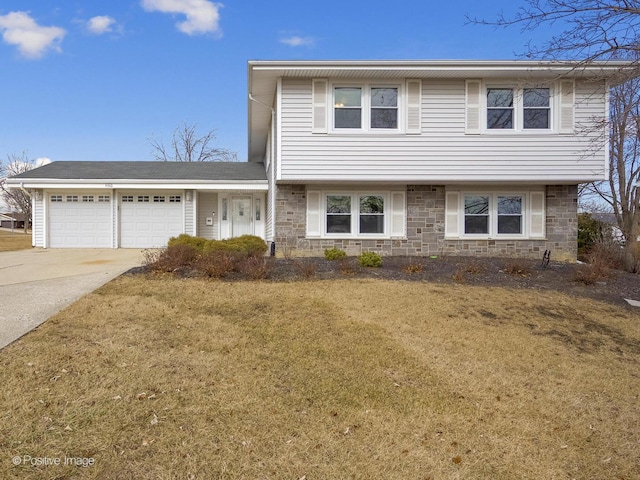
[[149, 219], [143, 204], [80, 220]]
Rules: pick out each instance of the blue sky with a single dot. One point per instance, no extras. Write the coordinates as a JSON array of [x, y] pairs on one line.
[[95, 79]]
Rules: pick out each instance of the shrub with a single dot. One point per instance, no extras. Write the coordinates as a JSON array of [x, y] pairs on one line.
[[370, 259], [216, 264], [590, 274], [255, 268], [413, 267], [334, 253], [516, 267], [244, 246], [308, 269], [590, 231], [171, 258], [347, 267], [183, 239]]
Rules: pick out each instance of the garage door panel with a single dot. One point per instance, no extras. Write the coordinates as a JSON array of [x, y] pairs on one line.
[[149, 224], [80, 224]]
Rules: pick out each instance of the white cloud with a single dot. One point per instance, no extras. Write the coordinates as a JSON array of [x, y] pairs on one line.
[[40, 161], [32, 40], [100, 24], [202, 15], [297, 41]]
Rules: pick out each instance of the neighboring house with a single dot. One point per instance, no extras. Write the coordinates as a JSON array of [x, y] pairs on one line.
[[609, 220], [11, 220], [6, 220], [397, 157]]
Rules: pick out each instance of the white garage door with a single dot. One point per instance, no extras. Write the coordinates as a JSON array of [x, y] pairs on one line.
[[149, 220], [80, 220]]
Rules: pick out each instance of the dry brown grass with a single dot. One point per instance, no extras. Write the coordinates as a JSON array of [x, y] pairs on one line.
[[169, 378], [14, 241]]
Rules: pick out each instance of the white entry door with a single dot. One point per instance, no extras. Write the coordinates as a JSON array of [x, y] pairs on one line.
[[241, 218]]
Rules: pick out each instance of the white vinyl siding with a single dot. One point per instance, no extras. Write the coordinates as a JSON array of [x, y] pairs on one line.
[[207, 208], [37, 225], [443, 152]]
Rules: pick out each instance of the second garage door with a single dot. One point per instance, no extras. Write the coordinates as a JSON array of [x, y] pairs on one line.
[[149, 220]]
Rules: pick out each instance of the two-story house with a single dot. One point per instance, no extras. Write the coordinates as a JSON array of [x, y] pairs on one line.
[[428, 157], [397, 157]]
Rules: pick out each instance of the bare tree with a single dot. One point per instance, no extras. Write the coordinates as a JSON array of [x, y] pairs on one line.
[[18, 199], [187, 145], [598, 30], [619, 193], [593, 29]]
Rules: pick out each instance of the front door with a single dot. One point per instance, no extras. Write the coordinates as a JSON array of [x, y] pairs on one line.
[[241, 218]]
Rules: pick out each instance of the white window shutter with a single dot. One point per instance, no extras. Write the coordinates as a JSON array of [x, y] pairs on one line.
[[414, 107], [314, 214], [537, 214], [473, 107], [398, 210], [567, 106], [319, 98], [452, 215]]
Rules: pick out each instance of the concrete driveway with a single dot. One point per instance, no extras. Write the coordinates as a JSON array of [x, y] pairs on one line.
[[36, 284]]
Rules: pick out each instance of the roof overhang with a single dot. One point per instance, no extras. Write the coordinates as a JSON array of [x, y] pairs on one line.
[[92, 184], [264, 75]]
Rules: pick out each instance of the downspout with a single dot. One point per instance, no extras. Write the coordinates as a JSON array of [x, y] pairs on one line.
[[272, 182]]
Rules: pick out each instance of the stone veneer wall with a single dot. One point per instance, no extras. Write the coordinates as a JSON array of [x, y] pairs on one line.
[[425, 228]]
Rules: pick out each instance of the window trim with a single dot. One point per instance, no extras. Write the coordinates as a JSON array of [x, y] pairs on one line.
[[457, 230], [518, 109], [394, 214], [366, 107]]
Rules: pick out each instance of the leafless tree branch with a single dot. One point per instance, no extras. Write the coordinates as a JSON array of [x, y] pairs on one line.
[[17, 199], [189, 146]]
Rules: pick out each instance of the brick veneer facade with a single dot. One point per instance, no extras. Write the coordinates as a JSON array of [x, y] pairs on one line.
[[425, 228]]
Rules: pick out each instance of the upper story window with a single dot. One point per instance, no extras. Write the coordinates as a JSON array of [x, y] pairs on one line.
[[499, 108], [347, 107], [384, 108], [536, 108], [518, 108], [366, 107]]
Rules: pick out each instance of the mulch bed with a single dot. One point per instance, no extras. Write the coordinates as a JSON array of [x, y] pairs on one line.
[[500, 272]]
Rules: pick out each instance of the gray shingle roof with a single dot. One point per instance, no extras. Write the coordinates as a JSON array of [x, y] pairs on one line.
[[198, 171]]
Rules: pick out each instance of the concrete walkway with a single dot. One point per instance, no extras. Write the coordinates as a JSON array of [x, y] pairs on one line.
[[36, 284]]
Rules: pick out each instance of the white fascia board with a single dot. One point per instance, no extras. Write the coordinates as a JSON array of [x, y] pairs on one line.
[[259, 185]]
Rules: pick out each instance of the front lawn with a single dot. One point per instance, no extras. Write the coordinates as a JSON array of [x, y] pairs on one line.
[[16, 240], [164, 378]]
